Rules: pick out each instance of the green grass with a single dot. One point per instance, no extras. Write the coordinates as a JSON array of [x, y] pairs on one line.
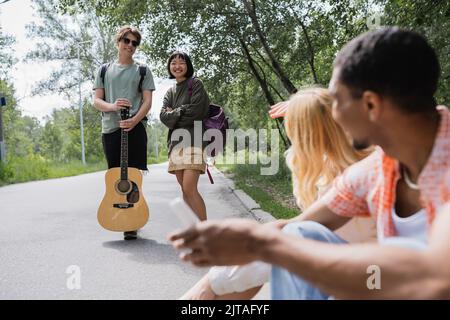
[[266, 201], [273, 193], [74, 168], [35, 167], [162, 157]]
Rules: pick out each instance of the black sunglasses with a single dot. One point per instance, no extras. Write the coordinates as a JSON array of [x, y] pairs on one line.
[[134, 43]]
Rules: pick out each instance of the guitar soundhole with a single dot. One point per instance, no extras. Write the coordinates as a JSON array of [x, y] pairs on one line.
[[124, 186]]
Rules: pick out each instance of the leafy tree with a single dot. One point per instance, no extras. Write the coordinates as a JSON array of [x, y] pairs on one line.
[[51, 141], [20, 133], [80, 43], [64, 39], [7, 59], [432, 19], [66, 122], [249, 53], [157, 138]]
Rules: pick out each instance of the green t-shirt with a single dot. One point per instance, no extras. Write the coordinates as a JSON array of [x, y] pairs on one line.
[[122, 81]]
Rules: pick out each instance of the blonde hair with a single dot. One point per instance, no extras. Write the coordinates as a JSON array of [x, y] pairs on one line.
[[320, 149]]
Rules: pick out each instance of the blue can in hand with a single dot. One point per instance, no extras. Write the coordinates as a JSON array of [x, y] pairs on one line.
[[2, 101]]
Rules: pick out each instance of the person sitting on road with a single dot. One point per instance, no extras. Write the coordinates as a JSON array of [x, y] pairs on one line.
[[319, 152]]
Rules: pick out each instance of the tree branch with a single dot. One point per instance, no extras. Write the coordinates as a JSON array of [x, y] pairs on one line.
[[251, 9], [264, 87], [309, 43]]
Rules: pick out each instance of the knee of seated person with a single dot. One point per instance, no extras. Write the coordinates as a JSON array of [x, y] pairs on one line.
[[306, 229]]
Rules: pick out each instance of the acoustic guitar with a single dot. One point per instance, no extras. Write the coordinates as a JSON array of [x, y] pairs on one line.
[[123, 207]]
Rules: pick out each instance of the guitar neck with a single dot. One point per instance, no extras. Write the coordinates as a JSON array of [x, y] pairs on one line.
[[124, 155]]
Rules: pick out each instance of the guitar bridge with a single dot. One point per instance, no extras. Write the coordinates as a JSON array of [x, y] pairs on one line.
[[123, 205]]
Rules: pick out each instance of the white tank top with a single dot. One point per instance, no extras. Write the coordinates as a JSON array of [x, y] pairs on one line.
[[414, 226]]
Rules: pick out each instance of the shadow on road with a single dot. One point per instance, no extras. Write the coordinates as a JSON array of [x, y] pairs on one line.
[[152, 252]]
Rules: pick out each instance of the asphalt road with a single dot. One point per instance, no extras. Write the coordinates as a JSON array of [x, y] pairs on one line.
[[52, 247]]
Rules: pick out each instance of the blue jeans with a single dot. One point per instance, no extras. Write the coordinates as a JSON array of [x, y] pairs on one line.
[[286, 285]]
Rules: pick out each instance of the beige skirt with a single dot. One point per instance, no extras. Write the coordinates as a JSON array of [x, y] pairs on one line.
[[189, 158]]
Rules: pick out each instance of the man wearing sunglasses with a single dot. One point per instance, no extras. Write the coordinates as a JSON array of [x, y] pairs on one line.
[[124, 83]]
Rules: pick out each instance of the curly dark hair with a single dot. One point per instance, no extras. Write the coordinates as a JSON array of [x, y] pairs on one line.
[[394, 62]]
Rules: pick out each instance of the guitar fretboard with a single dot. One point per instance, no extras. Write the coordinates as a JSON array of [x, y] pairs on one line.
[[124, 156]]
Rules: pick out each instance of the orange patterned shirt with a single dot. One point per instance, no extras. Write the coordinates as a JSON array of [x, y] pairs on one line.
[[368, 187]]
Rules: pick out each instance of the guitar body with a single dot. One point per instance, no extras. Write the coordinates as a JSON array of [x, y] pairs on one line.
[[123, 207]]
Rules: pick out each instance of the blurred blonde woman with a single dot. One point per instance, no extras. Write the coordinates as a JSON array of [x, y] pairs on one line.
[[319, 152]]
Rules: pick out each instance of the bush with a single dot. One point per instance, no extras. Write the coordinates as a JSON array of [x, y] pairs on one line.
[[31, 167], [35, 167], [6, 173]]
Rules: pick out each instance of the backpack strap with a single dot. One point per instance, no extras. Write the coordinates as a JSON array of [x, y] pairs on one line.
[[190, 86], [142, 73], [103, 72], [209, 175], [102, 76]]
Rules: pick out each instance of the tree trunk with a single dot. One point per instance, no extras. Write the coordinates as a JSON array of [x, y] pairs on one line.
[[251, 10], [310, 46], [264, 87]]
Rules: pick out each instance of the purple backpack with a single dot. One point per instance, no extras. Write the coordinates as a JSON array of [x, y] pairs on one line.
[[216, 119]]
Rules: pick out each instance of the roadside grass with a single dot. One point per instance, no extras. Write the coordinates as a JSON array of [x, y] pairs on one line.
[[35, 167], [272, 192], [162, 157], [74, 168]]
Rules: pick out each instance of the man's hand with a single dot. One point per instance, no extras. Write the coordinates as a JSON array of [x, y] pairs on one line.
[[229, 242], [278, 110], [120, 104], [128, 124]]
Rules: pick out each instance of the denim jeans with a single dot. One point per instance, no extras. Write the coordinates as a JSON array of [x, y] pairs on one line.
[[286, 285]]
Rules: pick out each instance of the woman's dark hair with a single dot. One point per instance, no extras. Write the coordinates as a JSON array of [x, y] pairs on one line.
[[184, 56], [393, 62]]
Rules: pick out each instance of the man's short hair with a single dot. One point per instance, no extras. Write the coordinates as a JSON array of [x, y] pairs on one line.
[[123, 31], [184, 56], [393, 62]]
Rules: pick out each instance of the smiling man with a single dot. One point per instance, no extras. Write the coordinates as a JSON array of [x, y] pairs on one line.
[[121, 84], [383, 86]]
